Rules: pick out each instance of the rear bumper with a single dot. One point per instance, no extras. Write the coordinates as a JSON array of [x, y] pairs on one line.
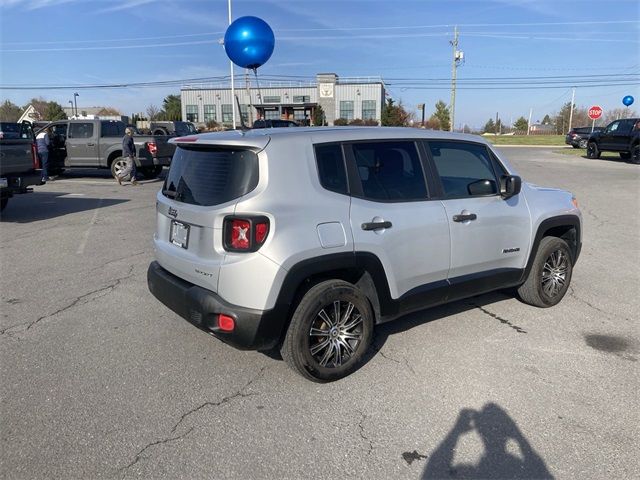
[[254, 329], [153, 161], [19, 183]]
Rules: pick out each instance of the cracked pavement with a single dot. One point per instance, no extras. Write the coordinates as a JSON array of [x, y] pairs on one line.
[[99, 380]]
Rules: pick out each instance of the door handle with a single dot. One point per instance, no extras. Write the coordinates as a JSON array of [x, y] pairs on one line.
[[91, 144], [464, 217], [375, 225]]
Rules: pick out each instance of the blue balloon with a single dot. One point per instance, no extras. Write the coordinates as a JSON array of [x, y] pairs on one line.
[[249, 42], [627, 100]]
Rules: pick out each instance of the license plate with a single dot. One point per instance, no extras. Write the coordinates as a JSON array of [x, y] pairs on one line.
[[4, 183], [179, 234]]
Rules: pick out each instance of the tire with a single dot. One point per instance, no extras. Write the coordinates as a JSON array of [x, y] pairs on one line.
[[118, 165], [582, 144], [3, 203], [321, 349], [592, 150], [625, 155], [151, 172], [550, 274], [635, 154], [160, 131]]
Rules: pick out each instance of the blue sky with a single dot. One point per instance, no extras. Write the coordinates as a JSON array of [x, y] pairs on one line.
[[88, 42]]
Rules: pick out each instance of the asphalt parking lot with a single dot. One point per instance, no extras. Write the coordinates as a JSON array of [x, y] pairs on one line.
[[100, 380]]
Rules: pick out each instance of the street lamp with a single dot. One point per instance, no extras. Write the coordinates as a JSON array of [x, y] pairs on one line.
[[75, 102]]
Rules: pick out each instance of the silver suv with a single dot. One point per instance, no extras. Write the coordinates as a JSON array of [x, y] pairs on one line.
[[304, 239]]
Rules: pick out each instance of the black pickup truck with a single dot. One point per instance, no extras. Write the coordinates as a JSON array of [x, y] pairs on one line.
[[98, 143], [621, 136], [18, 160]]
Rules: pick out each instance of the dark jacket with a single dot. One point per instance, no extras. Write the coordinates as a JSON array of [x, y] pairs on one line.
[[128, 147]]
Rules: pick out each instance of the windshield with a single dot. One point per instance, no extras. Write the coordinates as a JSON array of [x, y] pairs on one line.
[[185, 128], [210, 176]]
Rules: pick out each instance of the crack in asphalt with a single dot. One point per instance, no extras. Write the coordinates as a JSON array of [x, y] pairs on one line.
[[378, 349], [499, 318], [361, 431], [572, 293], [77, 301], [238, 394], [131, 255], [153, 444]]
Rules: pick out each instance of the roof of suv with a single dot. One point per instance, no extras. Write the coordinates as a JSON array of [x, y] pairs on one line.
[[260, 137]]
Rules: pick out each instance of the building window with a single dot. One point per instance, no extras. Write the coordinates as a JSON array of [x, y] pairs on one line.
[[299, 115], [227, 113], [271, 114], [301, 99], [210, 113], [192, 113], [346, 110], [244, 111], [368, 109], [272, 99]]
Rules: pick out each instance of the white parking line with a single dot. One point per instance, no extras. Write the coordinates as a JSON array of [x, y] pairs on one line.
[[85, 237]]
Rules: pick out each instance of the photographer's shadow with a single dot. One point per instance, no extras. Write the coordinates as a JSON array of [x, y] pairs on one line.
[[507, 453]]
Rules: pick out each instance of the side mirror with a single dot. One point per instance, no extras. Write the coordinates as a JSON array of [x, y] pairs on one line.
[[510, 185]]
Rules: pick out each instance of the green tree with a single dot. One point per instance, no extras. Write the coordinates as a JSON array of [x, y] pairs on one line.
[[172, 108], [562, 119], [521, 125], [54, 111], [318, 118], [442, 115], [489, 127], [10, 112], [394, 115], [546, 120]]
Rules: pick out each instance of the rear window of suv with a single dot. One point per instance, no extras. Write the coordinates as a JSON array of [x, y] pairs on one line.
[[210, 176]]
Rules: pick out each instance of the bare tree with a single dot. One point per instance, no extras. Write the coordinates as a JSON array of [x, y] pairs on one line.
[[611, 115], [153, 112], [109, 111]]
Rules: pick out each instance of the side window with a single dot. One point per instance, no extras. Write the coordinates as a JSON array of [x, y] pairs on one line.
[[109, 129], [613, 127], [81, 130], [465, 169], [331, 169], [390, 171], [59, 134], [625, 126]]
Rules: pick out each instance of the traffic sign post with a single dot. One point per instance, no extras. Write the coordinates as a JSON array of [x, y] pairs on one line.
[[595, 112]]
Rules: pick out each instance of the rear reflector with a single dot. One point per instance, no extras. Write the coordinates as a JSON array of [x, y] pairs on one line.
[[262, 229], [226, 323], [152, 147]]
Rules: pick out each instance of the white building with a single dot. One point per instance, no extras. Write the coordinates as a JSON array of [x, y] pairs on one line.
[[347, 98]]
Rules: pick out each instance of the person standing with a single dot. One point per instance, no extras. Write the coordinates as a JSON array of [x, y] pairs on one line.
[[128, 152], [43, 143]]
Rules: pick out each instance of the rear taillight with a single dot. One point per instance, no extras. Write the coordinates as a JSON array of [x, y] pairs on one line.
[[245, 234], [152, 147], [34, 156]]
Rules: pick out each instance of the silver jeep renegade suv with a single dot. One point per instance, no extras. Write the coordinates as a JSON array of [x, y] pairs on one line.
[[304, 239]]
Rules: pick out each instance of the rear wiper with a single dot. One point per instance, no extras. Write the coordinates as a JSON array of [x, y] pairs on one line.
[[170, 193]]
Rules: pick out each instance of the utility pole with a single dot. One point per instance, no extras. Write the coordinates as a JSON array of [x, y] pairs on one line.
[[458, 56], [529, 122], [573, 97]]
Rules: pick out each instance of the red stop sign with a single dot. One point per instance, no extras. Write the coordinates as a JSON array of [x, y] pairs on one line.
[[595, 112]]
